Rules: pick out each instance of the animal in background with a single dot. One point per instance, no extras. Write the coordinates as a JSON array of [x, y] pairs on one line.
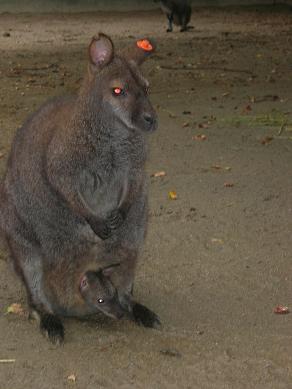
[[75, 185], [177, 12]]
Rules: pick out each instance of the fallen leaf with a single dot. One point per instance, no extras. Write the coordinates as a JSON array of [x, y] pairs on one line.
[[172, 195], [159, 174], [219, 167], [15, 308], [247, 109], [203, 125], [200, 137], [228, 184], [186, 112], [7, 360], [1, 154], [217, 240], [71, 377], [185, 124], [281, 310], [171, 352], [266, 140], [225, 94]]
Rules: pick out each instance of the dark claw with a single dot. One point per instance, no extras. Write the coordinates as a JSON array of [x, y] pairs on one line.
[[115, 219], [52, 328], [143, 316]]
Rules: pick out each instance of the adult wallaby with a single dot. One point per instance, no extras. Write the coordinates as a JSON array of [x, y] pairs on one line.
[[177, 12], [75, 183]]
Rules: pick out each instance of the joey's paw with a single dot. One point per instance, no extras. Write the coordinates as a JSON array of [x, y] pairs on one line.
[[52, 327], [115, 219], [143, 316], [104, 232]]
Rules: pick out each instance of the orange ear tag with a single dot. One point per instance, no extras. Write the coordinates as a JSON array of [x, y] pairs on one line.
[[145, 45]]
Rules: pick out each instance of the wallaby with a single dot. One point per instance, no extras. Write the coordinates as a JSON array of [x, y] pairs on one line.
[[177, 12], [75, 184]]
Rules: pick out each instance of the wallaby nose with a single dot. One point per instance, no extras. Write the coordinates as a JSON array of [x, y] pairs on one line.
[[149, 119]]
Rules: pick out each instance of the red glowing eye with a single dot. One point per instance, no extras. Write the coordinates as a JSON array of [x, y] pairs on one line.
[[118, 91]]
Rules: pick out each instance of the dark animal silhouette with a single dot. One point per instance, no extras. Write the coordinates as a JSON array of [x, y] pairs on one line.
[[177, 12], [75, 183]]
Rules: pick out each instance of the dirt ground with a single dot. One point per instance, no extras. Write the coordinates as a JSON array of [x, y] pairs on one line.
[[217, 260]]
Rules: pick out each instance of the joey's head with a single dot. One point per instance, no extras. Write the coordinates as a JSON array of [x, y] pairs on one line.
[[117, 86], [99, 293]]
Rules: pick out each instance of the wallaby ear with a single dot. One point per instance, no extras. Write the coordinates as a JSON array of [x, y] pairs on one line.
[[140, 51], [108, 271], [101, 51]]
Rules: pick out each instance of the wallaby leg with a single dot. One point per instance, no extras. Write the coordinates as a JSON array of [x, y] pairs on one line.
[[52, 327], [170, 20], [185, 20], [144, 316], [28, 265]]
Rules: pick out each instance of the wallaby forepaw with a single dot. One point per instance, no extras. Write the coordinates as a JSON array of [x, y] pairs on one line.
[[52, 327], [145, 317]]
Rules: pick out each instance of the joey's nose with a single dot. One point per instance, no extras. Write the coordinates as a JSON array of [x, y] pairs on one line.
[[120, 315]]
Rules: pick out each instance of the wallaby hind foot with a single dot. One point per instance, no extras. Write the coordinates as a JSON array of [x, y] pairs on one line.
[[52, 327], [145, 317]]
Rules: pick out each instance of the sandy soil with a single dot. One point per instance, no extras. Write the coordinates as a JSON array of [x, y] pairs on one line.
[[219, 258]]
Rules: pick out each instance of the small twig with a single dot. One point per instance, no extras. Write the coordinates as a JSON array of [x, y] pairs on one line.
[[282, 127], [283, 137], [206, 68], [7, 360]]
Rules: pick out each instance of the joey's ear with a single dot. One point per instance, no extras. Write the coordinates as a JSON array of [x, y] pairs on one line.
[[108, 271], [140, 51], [83, 283], [101, 51]]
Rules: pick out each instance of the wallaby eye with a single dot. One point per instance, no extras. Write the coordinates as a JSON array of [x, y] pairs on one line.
[[118, 91], [100, 301], [147, 90]]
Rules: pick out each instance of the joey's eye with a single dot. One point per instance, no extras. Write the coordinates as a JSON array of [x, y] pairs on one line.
[[147, 90], [118, 91], [100, 301]]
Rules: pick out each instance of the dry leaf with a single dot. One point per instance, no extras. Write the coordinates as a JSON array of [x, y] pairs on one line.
[[266, 140], [200, 137], [225, 94], [228, 184], [281, 310], [172, 195], [159, 174], [1, 154], [185, 124], [15, 308], [218, 167], [217, 240], [71, 377], [203, 125], [7, 360]]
